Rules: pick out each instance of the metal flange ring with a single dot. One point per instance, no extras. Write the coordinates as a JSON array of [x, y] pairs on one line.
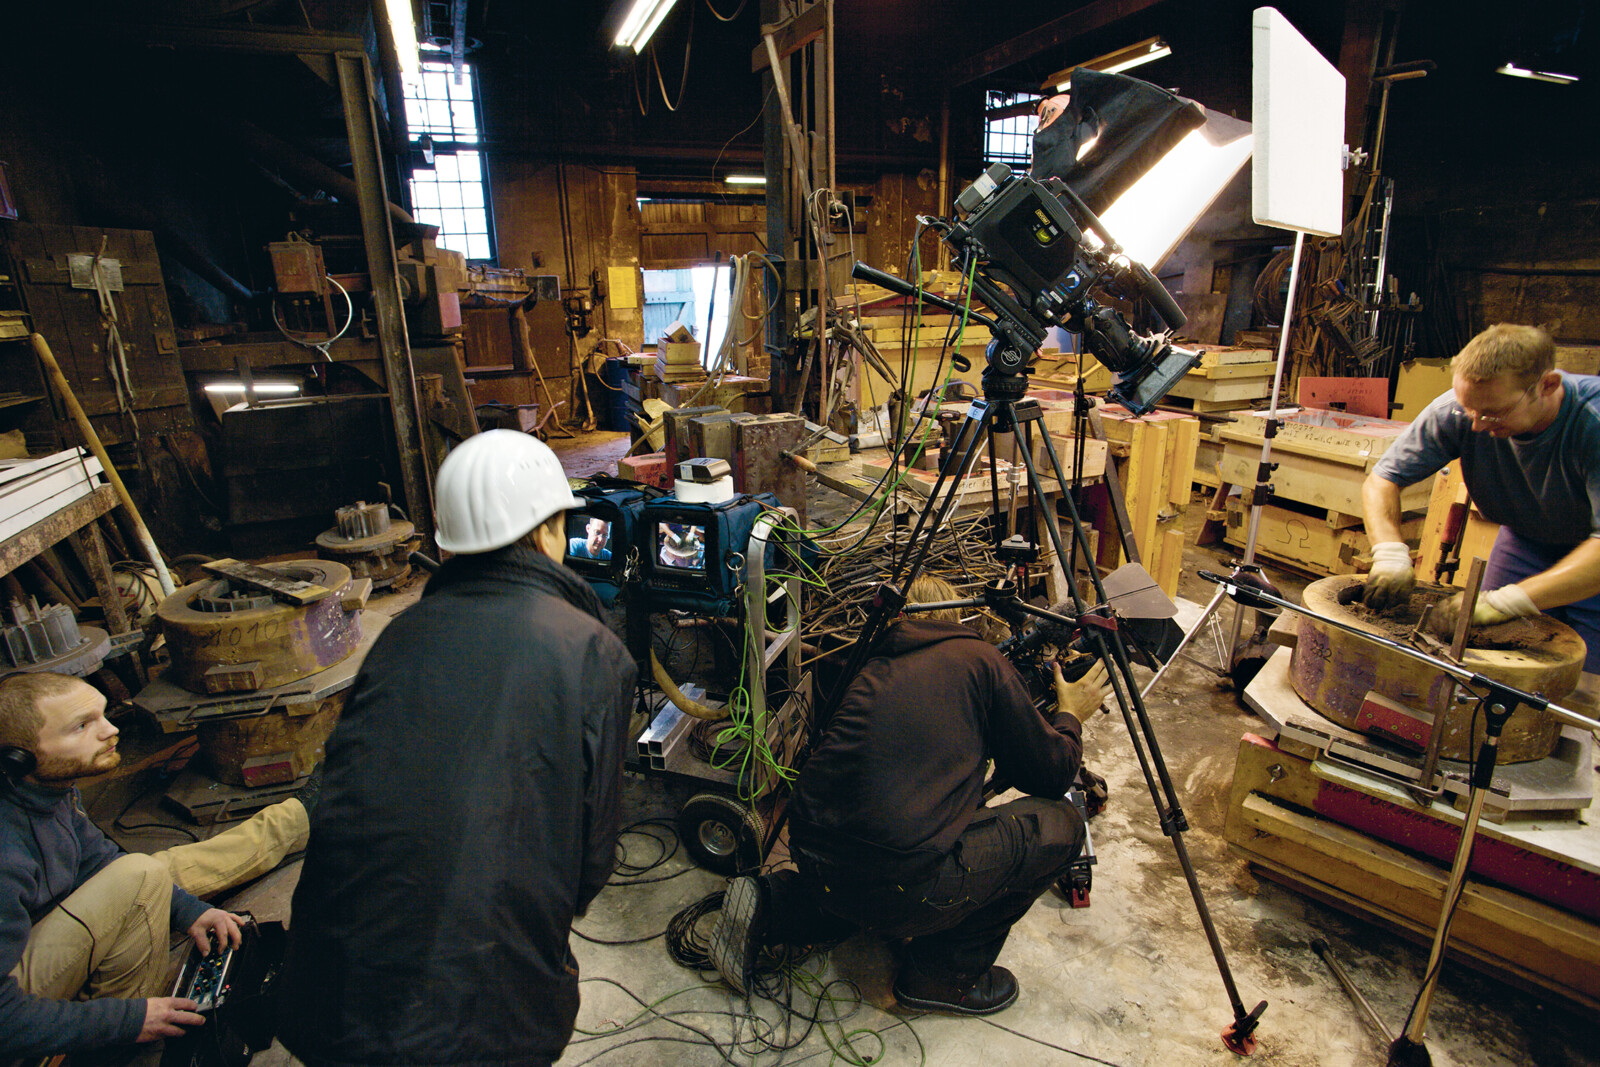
[[259, 647]]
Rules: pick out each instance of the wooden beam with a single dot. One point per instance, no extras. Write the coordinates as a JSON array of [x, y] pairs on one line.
[[1052, 34], [789, 37]]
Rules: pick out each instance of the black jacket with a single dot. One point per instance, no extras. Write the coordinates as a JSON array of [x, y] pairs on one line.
[[469, 809], [900, 768]]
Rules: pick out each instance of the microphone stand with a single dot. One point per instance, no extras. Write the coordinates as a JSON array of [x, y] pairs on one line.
[[1498, 701]]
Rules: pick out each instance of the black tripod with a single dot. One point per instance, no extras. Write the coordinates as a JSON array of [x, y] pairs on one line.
[[1005, 408]]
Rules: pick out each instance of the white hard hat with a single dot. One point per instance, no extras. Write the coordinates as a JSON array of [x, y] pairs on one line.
[[496, 486]]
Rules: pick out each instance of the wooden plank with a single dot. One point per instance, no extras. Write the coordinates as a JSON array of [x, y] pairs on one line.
[[1306, 542], [1312, 480], [1169, 563], [1149, 505], [1232, 371], [789, 37], [1185, 447], [1538, 942], [290, 590], [1223, 357], [15, 551], [1094, 455], [91, 550], [1226, 389]]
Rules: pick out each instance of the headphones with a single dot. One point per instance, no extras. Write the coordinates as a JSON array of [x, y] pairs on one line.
[[16, 762]]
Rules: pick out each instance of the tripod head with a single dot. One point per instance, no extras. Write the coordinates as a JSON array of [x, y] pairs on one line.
[[1026, 246]]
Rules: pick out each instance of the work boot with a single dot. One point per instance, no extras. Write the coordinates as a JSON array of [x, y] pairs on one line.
[[993, 990], [736, 939]]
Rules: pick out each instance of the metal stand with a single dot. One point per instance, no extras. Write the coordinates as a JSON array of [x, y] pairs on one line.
[[1498, 701], [1258, 496]]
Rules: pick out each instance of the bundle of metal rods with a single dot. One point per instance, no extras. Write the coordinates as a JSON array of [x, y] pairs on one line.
[[836, 603]]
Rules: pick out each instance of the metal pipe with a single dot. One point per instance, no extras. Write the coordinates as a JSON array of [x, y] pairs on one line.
[[1320, 947]]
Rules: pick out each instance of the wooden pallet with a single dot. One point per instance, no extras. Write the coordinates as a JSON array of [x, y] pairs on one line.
[[1275, 820]]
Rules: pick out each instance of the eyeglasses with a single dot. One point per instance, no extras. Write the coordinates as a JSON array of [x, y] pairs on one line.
[[1499, 417]]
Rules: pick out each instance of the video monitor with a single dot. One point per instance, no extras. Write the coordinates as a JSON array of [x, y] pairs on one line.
[[681, 546], [588, 536]]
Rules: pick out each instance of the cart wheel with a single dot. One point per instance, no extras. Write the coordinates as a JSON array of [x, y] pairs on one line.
[[722, 834]]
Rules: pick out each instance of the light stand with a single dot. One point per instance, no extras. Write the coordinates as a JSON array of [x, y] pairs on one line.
[[1498, 702], [1258, 500], [1006, 408]]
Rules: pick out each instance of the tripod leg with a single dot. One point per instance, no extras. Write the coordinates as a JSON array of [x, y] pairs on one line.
[[1240, 1035]]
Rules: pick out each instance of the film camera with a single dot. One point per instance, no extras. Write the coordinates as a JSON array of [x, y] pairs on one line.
[[1027, 247]]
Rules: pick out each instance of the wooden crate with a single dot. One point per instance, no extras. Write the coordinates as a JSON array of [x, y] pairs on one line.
[[1226, 388], [1275, 821], [1066, 446], [1323, 457], [1310, 540]]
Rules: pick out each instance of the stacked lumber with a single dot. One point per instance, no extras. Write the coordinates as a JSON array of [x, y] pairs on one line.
[[1227, 379], [1157, 481], [678, 356], [33, 489]]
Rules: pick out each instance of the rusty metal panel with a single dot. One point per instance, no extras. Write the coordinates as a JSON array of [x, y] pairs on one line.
[[679, 438], [758, 463]]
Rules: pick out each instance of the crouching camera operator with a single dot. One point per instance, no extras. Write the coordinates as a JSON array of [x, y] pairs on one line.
[[888, 826]]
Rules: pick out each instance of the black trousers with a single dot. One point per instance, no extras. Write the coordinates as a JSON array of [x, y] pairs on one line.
[[958, 918]]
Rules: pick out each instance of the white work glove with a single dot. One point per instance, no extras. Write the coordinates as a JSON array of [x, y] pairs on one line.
[[1496, 606], [1391, 578], [1082, 698]]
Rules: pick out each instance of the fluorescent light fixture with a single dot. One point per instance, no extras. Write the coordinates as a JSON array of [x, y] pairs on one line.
[[1158, 210], [1146, 51], [746, 179], [404, 31], [261, 388], [642, 20], [1537, 75]]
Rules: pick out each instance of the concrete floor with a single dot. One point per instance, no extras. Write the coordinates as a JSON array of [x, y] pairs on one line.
[[1129, 980]]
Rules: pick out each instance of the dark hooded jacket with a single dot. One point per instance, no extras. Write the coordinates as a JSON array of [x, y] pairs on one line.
[[469, 809], [899, 771]]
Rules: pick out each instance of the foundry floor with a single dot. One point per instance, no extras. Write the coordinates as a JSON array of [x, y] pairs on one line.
[[1129, 980]]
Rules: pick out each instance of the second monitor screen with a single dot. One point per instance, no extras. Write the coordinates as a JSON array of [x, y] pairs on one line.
[[681, 545]]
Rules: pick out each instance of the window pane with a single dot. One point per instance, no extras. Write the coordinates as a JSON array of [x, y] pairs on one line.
[[452, 195]]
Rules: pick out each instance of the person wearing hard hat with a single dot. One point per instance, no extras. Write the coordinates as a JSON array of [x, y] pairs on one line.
[[469, 806]]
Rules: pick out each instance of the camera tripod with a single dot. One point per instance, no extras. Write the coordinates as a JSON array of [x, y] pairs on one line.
[[1005, 407]]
